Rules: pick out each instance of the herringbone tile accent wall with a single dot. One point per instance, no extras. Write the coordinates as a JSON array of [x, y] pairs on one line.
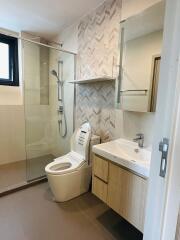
[[95, 103], [98, 35]]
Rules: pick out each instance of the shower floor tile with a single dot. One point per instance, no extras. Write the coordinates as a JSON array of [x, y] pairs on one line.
[[35, 166], [12, 174], [17, 173]]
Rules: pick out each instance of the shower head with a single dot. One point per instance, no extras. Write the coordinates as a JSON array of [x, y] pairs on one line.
[[54, 73]]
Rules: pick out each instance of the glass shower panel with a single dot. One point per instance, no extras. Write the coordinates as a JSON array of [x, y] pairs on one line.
[[12, 147], [37, 117], [45, 121]]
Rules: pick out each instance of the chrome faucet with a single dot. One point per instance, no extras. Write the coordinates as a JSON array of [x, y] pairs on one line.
[[139, 139]]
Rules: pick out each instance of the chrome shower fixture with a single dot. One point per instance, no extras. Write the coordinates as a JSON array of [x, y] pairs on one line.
[[54, 73], [61, 108]]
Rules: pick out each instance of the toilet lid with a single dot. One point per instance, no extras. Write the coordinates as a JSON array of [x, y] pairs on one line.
[[66, 164]]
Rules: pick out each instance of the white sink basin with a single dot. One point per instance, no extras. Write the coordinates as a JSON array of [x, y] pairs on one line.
[[127, 154]]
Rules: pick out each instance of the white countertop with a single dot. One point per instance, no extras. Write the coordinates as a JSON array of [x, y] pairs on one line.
[[126, 154]]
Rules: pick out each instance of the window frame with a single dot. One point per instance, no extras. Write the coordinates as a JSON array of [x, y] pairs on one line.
[[13, 61]]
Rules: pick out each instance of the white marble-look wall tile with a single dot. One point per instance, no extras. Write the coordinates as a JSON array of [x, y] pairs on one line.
[[97, 55]]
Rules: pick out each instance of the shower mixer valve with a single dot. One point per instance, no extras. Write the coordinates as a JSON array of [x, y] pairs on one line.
[[60, 109]]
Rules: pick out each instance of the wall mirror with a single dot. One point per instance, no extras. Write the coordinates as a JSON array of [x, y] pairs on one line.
[[140, 55]]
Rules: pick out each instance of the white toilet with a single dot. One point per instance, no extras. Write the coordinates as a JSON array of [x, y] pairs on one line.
[[70, 175]]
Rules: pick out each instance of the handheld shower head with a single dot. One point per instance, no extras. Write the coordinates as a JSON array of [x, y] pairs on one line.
[[54, 73]]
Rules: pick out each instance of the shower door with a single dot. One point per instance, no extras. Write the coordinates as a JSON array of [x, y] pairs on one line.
[[44, 122]]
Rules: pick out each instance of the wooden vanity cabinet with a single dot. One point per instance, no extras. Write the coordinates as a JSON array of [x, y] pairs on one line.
[[100, 189], [100, 178], [100, 168], [121, 190], [127, 195]]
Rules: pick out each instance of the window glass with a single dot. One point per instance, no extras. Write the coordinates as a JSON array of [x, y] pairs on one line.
[[4, 61]]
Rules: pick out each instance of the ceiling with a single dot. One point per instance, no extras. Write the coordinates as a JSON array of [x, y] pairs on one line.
[[45, 18]]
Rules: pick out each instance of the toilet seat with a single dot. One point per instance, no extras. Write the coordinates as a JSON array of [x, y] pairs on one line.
[[65, 164]]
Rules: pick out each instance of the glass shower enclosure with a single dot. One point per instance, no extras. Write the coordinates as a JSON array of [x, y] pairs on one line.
[[44, 122], [48, 104]]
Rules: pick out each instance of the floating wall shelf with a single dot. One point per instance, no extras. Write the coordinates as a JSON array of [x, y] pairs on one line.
[[93, 80]]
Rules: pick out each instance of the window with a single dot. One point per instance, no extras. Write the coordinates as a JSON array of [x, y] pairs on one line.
[[9, 67]]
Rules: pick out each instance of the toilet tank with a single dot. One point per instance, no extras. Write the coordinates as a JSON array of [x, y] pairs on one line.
[[81, 139]]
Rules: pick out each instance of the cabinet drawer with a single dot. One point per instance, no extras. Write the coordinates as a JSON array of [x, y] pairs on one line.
[[100, 168], [99, 188]]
